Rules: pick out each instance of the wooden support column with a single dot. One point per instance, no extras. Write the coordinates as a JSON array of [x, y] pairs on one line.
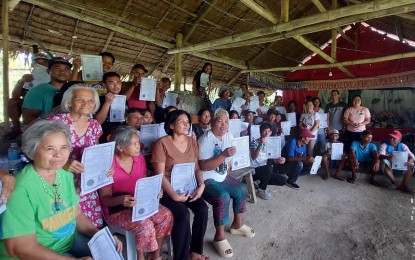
[[285, 10], [178, 63], [5, 29], [334, 35]]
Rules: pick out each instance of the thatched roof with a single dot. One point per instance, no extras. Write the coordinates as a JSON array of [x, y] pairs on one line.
[[144, 31]]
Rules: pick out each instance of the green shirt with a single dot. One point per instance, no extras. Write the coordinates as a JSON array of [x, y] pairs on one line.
[[40, 98], [31, 210]]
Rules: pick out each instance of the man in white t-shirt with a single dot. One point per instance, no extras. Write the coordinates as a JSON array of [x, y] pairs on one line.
[[215, 159]]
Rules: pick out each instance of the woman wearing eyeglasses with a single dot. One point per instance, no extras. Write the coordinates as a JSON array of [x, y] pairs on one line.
[[43, 219]]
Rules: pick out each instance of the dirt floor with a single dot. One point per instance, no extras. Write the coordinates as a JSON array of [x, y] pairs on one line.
[[327, 220], [324, 220]]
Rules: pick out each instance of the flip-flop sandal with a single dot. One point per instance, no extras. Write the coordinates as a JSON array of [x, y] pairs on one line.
[[221, 248], [338, 178], [351, 180], [375, 183], [406, 190], [244, 230]]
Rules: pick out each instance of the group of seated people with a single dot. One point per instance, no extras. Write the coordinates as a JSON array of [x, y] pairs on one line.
[[48, 218]]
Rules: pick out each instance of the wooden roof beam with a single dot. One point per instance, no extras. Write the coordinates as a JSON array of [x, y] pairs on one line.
[[199, 19], [343, 63], [107, 42], [313, 23], [405, 16], [262, 10], [313, 48], [133, 34], [12, 4], [194, 15], [322, 9]]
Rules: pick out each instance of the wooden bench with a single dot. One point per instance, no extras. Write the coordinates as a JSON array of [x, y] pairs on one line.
[[247, 174]]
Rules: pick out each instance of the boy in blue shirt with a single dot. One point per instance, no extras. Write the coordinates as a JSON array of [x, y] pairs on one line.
[[364, 152], [295, 153]]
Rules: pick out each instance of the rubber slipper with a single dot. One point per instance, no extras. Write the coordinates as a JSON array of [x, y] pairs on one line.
[[221, 248], [243, 231], [351, 180], [406, 190], [338, 178]]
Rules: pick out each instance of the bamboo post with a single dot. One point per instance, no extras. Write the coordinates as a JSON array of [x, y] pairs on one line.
[[178, 63], [5, 29], [334, 35]]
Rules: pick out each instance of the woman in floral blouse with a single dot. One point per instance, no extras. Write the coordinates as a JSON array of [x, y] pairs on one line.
[[78, 102]]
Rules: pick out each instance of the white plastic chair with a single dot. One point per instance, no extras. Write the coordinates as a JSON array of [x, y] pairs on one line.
[[130, 240]]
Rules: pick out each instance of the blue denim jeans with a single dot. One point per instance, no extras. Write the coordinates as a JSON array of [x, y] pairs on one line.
[[79, 247], [292, 170]]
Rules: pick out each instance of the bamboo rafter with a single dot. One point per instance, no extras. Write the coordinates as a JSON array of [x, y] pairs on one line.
[[343, 63], [133, 34], [314, 49], [313, 23], [262, 10]]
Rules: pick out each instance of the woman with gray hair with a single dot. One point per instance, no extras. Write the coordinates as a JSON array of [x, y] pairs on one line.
[[118, 198], [43, 219], [78, 103], [215, 159]]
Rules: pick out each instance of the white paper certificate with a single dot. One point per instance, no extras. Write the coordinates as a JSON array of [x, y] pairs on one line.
[[316, 165], [148, 89], [147, 194], [323, 120], [398, 163], [292, 118], [97, 161], [40, 76], [235, 127], [102, 246], [255, 134], [273, 147], [149, 134], [91, 67], [2, 205], [117, 110], [336, 151], [170, 99], [253, 106], [204, 80], [183, 178], [286, 127], [237, 104], [162, 131], [241, 159]]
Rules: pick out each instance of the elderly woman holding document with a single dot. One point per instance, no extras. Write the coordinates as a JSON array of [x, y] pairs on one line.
[[171, 151], [118, 198], [78, 102], [43, 219]]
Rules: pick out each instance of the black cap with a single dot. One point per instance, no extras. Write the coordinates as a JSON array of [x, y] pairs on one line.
[[58, 60]]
